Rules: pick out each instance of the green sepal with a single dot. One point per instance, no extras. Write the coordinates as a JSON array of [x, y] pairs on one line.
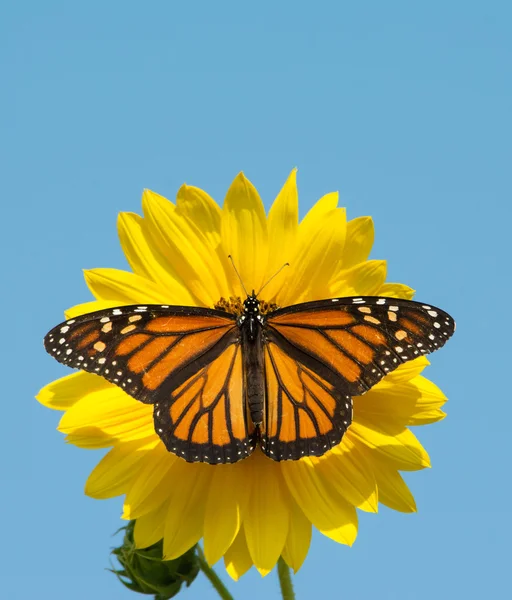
[[144, 571]]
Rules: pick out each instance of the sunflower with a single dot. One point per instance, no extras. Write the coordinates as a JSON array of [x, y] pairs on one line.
[[256, 510]]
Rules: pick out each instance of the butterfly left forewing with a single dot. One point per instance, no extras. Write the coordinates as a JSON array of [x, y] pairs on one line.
[[146, 350], [356, 341]]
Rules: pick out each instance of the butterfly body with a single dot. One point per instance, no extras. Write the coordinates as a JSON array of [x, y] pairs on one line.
[[221, 384], [252, 339]]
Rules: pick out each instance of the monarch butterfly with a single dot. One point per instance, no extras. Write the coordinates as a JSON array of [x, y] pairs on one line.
[[221, 383]]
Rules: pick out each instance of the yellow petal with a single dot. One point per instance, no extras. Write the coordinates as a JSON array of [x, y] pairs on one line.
[[329, 512], [89, 307], [181, 242], [198, 207], [350, 475], [149, 489], [415, 402], [365, 279], [316, 260], [404, 373], [67, 391], [146, 260], [267, 519], [237, 559], [228, 496], [393, 491], [149, 529], [114, 473], [205, 215], [244, 232], [360, 235], [283, 224], [401, 448], [124, 287], [111, 414], [397, 290], [299, 536], [310, 223], [187, 503]]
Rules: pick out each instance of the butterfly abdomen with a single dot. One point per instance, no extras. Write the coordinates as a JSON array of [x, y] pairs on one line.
[[254, 367]]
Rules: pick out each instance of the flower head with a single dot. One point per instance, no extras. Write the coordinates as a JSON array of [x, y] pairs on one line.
[[256, 510]]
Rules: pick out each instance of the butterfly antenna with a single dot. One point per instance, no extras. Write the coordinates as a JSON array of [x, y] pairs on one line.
[[273, 276], [237, 274]]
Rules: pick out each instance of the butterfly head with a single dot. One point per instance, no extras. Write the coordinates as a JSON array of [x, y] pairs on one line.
[[251, 305]]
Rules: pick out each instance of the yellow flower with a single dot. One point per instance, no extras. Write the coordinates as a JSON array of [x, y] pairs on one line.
[[256, 510]]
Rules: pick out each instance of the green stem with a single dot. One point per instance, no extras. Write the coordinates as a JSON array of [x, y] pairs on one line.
[[285, 580], [212, 576]]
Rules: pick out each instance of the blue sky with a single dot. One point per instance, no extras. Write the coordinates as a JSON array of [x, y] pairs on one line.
[[404, 107]]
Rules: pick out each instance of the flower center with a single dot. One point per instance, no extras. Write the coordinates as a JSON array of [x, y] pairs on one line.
[[235, 306]]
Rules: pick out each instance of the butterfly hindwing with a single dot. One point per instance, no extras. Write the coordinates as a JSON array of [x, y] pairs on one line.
[[146, 350], [305, 414], [205, 419], [354, 342]]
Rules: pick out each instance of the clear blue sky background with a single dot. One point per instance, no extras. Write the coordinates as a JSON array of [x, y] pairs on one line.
[[404, 107]]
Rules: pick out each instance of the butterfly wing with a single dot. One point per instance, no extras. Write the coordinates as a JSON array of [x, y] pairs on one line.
[[305, 414], [320, 354], [359, 340], [148, 351], [186, 361], [205, 419]]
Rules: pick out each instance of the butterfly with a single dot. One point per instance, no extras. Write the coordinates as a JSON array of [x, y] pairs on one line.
[[222, 383]]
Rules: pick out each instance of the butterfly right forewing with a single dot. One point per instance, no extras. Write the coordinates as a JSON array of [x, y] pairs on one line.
[[357, 341]]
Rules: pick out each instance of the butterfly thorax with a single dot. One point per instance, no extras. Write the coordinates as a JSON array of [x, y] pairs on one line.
[[251, 319]]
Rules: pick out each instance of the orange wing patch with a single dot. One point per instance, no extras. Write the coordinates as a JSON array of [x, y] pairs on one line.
[[370, 334], [312, 318], [177, 324], [88, 339], [354, 346], [205, 418], [141, 360], [131, 343], [305, 415]]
